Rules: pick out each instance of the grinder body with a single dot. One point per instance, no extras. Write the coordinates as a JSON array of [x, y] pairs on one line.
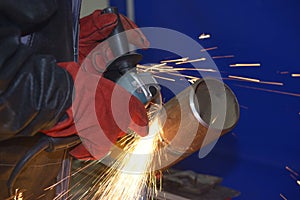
[[122, 69]]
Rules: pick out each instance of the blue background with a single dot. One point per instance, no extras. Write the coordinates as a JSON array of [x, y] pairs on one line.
[[252, 158]]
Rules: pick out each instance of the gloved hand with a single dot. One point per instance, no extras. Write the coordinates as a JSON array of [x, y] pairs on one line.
[[93, 30], [97, 27], [33, 98], [99, 114], [34, 91]]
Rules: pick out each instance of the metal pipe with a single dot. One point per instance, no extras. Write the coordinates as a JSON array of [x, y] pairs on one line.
[[196, 117], [192, 120]]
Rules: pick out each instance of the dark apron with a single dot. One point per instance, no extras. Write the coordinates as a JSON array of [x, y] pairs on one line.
[[39, 173]]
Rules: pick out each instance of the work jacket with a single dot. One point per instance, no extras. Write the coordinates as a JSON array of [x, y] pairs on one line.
[[34, 94]]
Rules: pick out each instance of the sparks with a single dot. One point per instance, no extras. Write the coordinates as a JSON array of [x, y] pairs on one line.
[[134, 165], [163, 68], [227, 56], [151, 68], [244, 107], [245, 65], [184, 76], [254, 80], [234, 134], [164, 78], [285, 72], [291, 170], [208, 49], [244, 78], [186, 69], [192, 81], [18, 195], [271, 83], [191, 61], [175, 60], [66, 193], [295, 75], [293, 177], [204, 36], [268, 90], [283, 197]]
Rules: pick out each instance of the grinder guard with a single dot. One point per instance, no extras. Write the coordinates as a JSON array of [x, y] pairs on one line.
[[122, 69]]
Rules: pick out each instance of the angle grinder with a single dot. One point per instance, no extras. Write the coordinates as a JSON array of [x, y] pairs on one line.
[[122, 69]]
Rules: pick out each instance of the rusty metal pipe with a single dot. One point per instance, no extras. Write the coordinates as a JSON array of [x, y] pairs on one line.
[[196, 117]]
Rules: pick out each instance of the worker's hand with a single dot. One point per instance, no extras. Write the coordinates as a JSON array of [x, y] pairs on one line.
[[97, 27], [99, 114], [34, 91]]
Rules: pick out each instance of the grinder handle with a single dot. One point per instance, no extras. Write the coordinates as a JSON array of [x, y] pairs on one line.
[[118, 43]]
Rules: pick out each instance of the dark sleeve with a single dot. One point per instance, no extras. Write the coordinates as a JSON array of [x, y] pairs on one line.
[[34, 91], [28, 14]]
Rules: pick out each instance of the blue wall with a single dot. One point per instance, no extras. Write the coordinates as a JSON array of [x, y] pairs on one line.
[[251, 159]]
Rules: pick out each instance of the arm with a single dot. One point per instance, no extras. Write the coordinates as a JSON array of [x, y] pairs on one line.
[[34, 91]]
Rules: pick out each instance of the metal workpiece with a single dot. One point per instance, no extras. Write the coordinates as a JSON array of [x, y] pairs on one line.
[[195, 118]]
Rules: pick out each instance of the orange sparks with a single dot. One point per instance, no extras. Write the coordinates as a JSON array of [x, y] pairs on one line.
[[244, 78], [209, 49], [164, 78], [245, 65], [227, 56], [293, 177], [271, 83], [234, 134], [182, 75], [285, 72], [192, 81], [267, 90], [144, 67], [295, 75], [204, 36], [152, 67], [163, 68], [292, 171], [187, 69], [255, 80], [191, 61], [283, 197], [115, 185], [245, 107], [175, 60], [18, 195]]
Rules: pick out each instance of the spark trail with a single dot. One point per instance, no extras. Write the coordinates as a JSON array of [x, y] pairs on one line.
[[131, 175]]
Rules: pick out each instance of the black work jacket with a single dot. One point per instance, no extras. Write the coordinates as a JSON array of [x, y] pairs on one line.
[[34, 91]]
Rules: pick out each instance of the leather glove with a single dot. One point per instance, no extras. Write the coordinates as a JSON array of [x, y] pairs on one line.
[[98, 114], [44, 99], [34, 91], [93, 30], [97, 27], [94, 54]]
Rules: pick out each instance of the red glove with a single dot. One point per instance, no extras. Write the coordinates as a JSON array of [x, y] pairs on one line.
[[93, 116], [97, 27], [99, 114]]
